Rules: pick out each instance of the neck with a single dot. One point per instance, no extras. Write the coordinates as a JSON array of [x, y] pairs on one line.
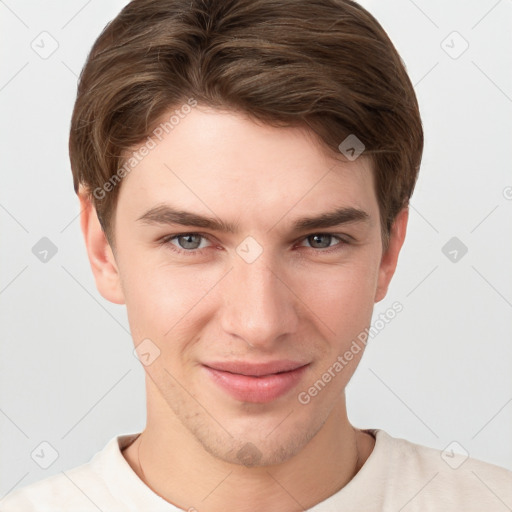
[[170, 456]]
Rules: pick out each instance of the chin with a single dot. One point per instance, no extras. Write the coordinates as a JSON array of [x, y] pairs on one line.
[[254, 449]]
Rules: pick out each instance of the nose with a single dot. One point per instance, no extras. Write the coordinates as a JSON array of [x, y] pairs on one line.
[[258, 304]]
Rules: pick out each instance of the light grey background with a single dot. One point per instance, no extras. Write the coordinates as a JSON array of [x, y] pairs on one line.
[[440, 372]]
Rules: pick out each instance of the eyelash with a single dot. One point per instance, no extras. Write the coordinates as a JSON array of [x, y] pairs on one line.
[[166, 241]]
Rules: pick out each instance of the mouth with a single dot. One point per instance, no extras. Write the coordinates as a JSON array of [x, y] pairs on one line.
[[256, 382]]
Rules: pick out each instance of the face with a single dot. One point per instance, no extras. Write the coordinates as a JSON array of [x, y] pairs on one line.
[[249, 260]]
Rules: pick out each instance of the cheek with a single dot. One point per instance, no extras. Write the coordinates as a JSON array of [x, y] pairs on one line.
[[342, 301], [162, 299], [341, 296]]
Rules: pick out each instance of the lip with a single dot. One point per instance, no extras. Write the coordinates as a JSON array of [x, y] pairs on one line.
[[256, 382]]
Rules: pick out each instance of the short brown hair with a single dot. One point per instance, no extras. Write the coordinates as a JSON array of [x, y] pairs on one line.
[[323, 64]]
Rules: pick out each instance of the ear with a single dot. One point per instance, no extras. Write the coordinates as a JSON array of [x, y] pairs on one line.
[[101, 257], [390, 256]]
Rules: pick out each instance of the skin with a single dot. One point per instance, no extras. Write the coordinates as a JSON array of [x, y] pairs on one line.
[[293, 302]]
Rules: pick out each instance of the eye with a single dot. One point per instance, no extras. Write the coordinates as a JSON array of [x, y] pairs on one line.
[[186, 243], [191, 244], [323, 241]]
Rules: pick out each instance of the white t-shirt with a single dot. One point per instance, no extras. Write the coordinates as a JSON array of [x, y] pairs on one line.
[[397, 476]]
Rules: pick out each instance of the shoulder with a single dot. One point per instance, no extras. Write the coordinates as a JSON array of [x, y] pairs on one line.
[[82, 488], [426, 475], [52, 493]]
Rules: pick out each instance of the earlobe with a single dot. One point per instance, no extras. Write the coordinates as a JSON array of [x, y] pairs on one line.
[[101, 257], [390, 256]]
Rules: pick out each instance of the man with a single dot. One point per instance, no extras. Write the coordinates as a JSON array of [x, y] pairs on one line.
[[244, 169]]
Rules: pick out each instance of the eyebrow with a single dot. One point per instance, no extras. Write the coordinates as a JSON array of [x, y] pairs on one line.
[[165, 214]]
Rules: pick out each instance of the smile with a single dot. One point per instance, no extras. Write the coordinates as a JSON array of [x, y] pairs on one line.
[[260, 383]]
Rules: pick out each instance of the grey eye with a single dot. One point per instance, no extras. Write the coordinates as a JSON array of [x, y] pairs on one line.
[[189, 242], [316, 240]]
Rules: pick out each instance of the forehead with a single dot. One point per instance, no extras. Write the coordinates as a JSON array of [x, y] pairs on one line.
[[225, 164]]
